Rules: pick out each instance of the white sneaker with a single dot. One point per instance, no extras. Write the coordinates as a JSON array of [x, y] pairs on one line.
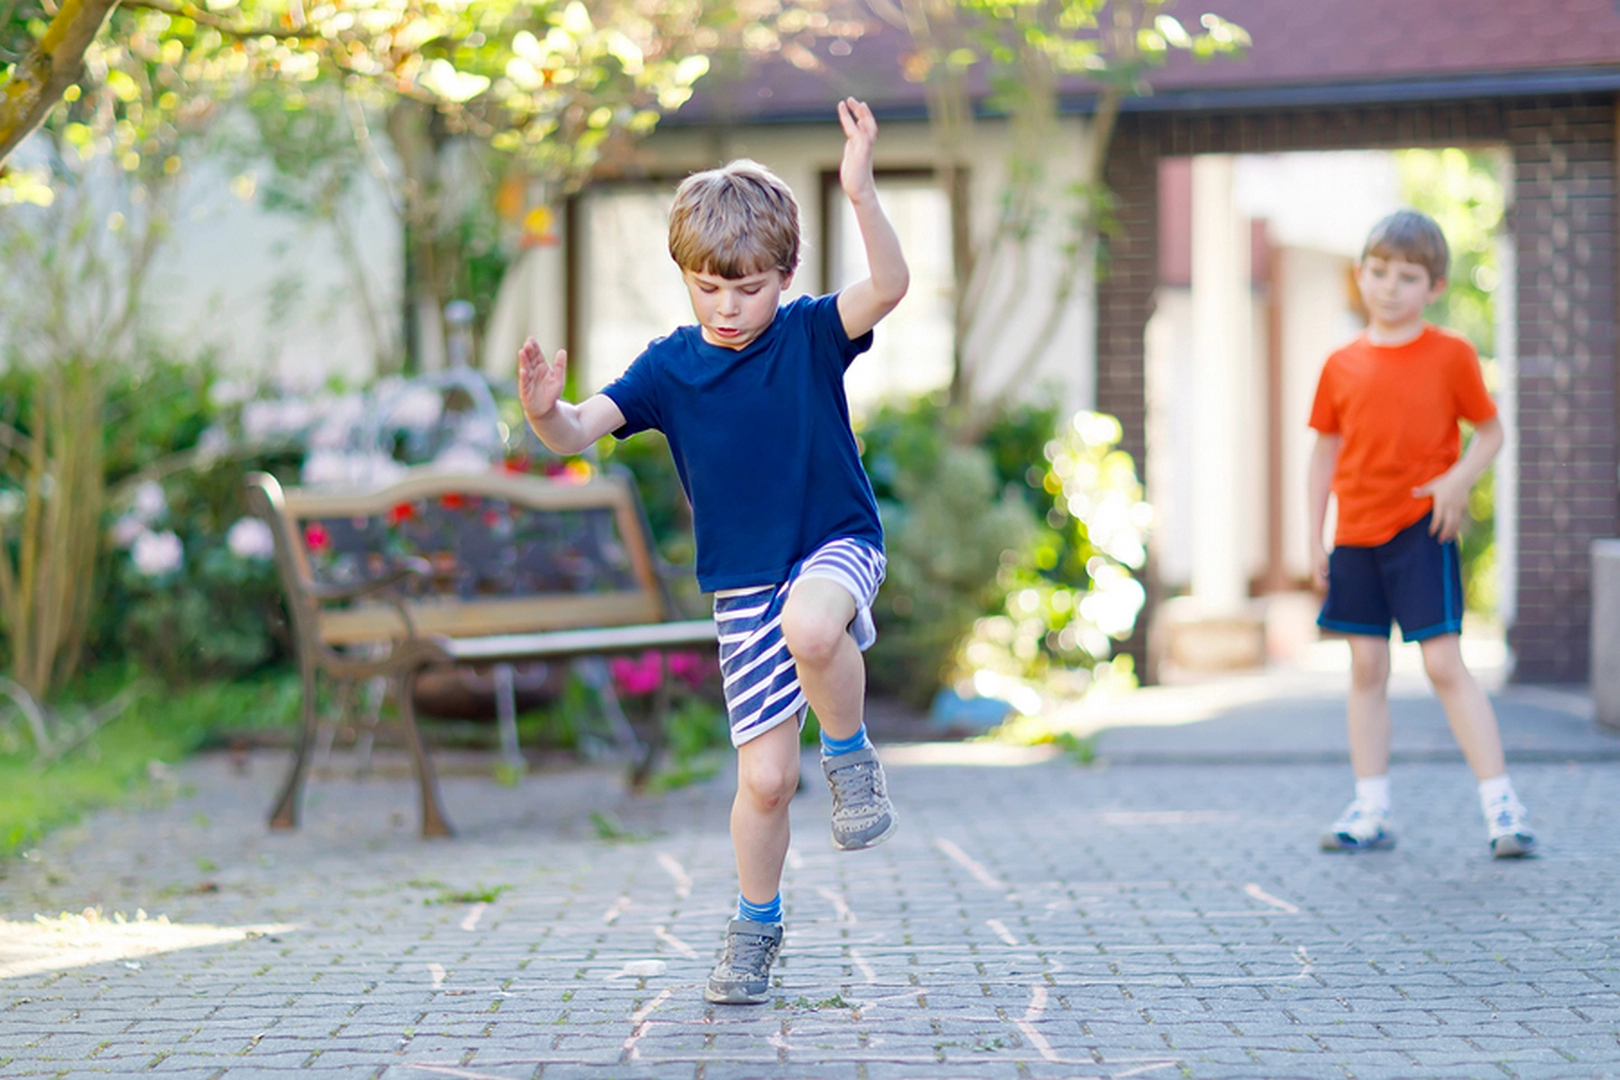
[[1508, 823], [1360, 828]]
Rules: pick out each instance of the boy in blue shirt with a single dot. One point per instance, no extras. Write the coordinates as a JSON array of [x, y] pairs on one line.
[[752, 402]]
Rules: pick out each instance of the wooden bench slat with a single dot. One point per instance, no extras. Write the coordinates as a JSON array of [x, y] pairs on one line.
[[582, 642], [368, 623]]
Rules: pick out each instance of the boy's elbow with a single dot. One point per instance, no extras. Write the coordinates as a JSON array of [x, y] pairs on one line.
[[894, 288]]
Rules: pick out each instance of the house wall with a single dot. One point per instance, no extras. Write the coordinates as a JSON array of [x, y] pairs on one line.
[[1563, 220]]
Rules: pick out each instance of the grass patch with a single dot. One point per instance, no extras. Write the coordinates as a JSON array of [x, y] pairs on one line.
[[483, 894], [126, 757]]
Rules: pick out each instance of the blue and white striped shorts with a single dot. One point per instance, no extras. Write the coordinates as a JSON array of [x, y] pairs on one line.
[[761, 680]]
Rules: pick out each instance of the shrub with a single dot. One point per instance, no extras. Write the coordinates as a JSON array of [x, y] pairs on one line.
[[1012, 557], [1071, 592], [949, 525]]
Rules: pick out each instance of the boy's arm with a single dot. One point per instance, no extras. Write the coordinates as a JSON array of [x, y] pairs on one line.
[[862, 304], [1450, 489], [564, 427], [1318, 486]]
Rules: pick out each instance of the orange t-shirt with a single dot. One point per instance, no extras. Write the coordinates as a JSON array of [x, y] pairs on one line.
[[1396, 408]]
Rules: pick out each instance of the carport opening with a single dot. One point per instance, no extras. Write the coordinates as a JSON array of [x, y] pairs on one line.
[[1256, 288]]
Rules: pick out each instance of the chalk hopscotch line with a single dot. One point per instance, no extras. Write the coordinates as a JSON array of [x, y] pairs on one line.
[[968, 863]]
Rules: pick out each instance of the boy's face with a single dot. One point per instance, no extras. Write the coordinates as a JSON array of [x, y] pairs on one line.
[[1396, 291], [735, 311]]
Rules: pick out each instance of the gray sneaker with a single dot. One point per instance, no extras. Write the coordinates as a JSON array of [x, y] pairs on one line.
[[862, 814], [743, 975]]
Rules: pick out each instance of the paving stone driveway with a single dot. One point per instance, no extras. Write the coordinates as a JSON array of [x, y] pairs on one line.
[[1164, 914]]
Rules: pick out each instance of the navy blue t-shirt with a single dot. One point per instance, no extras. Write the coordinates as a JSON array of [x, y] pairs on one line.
[[761, 439]]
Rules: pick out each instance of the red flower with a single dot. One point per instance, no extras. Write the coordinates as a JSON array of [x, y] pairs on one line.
[[401, 512], [518, 464], [453, 500], [316, 538]]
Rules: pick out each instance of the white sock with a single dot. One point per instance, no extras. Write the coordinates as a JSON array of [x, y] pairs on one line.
[[1374, 792], [1495, 790]]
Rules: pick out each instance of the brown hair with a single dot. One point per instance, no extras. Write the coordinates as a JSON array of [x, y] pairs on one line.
[[1413, 236], [734, 221]]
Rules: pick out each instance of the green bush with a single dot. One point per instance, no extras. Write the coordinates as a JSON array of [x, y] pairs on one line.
[[949, 526], [1012, 556], [177, 472]]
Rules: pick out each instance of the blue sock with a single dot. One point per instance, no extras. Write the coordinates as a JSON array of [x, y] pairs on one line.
[[763, 913], [831, 747]]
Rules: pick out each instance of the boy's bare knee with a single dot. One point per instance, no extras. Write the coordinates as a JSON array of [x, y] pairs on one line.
[[811, 636], [1369, 669], [768, 785], [1444, 666]]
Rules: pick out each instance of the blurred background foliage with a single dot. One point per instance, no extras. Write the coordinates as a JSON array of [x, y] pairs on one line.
[[1014, 538], [1462, 189]]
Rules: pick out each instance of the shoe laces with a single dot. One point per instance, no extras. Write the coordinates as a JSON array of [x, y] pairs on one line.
[[750, 953], [853, 783]]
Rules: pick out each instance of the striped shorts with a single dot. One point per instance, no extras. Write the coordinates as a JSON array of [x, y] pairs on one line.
[[761, 680]]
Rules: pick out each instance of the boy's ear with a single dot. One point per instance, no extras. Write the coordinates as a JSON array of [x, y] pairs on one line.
[[1436, 287], [787, 279]]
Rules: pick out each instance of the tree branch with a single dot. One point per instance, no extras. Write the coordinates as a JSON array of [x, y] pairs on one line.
[[55, 63]]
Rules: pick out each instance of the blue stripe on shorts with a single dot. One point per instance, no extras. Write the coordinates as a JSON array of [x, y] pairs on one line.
[[761, 680]]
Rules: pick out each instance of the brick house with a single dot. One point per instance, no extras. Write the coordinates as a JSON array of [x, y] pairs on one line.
[[1538, 85]]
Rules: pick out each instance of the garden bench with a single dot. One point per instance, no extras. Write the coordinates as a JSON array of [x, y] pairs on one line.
[[461, 568]]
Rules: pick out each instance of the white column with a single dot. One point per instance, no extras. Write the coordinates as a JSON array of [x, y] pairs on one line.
[[1221, 342]]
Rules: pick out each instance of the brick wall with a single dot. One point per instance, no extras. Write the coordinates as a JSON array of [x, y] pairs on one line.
[[1564, 223]]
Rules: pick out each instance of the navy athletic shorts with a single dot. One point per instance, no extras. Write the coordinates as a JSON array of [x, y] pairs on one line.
[[1411, 578]]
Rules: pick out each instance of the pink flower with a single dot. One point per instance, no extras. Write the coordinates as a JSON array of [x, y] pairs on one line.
[[690, 667], [639, 677]]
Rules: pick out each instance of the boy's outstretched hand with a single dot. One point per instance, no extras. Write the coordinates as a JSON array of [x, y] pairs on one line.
[[540, 384], [860, 132]]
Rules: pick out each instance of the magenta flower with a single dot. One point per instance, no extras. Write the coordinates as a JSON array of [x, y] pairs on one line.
[[689, 667], [638, 677]]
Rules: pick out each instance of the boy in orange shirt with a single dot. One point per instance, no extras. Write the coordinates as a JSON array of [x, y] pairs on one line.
[[1386, 412]]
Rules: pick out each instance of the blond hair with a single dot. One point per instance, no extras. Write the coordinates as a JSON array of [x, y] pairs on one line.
[[735, 221], [1413, 236]]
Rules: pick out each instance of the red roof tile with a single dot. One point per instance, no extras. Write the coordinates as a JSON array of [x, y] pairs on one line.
[[1303, 43]]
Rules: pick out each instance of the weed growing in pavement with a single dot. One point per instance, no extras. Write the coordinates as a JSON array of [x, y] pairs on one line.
[[608, 827], [835, 1002], [1080, 748], [481, 895]]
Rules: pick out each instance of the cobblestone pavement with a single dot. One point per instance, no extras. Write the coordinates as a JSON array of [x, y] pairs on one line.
[[1157, 915]]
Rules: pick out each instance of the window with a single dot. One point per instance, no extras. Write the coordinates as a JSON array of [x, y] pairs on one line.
[[912, 351]]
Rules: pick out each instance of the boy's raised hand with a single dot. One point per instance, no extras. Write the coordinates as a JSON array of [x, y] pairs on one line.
[[860, 132], [540, 384]]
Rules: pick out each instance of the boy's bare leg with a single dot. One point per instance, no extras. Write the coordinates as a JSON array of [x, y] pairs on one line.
[[767, 776], [832, 672], [1468, 709], [1367, 706]]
